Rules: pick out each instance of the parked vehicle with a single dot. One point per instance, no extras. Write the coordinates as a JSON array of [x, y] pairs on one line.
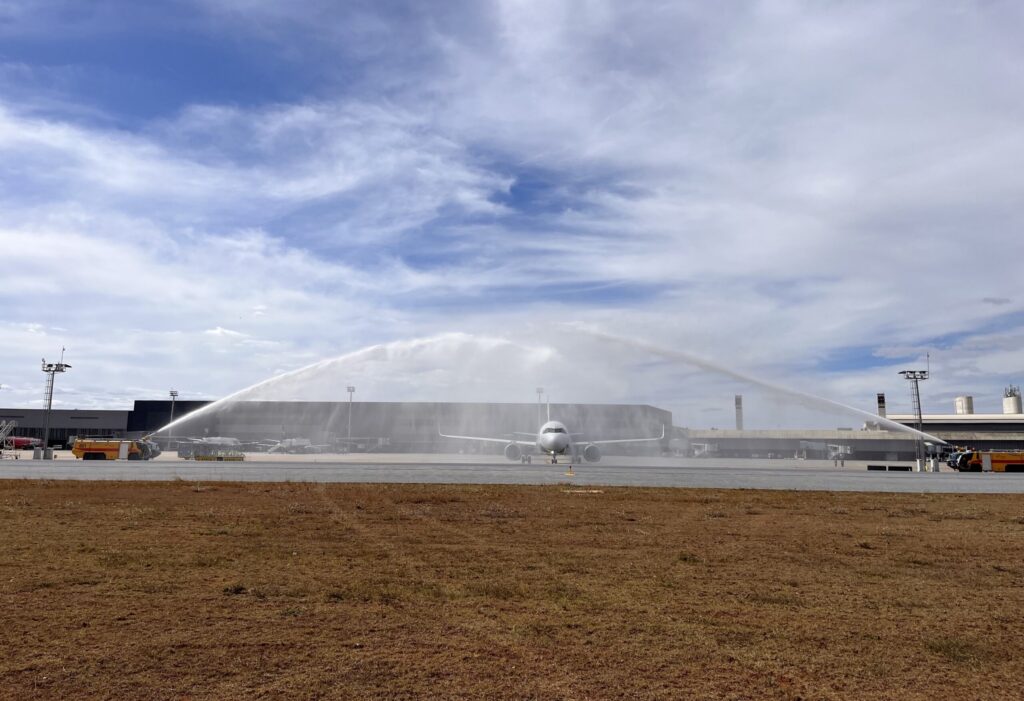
[[114, 449], [987, 461]]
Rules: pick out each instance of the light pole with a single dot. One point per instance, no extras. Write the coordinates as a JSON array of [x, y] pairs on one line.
[[915, 395], [540, 414], [51, 369], [351, 391], [170, 430]]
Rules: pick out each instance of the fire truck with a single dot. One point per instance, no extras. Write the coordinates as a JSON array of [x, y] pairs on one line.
[[114, 449], [987, 461]]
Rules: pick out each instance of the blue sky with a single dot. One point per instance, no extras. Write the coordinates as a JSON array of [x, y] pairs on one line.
[[202, 194]]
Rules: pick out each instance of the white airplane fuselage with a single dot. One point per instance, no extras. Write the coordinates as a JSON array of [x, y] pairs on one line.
[[553, 438]]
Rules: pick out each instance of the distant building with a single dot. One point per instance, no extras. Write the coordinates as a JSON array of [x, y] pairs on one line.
[[413, 427], [391, 426], [65, 424], [981, 431]]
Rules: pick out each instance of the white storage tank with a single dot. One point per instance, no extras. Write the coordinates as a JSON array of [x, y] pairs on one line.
[[1011, 400], [964, 405]]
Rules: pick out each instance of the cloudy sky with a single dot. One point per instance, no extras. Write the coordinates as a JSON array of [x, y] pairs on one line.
[[201, 194]]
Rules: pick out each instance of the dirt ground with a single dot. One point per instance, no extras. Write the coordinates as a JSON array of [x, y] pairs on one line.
[[186, 591]]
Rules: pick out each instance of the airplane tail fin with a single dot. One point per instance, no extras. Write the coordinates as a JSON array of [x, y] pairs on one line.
[[549, 407]]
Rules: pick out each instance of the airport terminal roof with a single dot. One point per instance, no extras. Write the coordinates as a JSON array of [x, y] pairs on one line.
[[800, 434], [961, 418]]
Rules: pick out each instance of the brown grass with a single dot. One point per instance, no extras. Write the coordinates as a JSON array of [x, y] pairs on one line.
[[162, 591]]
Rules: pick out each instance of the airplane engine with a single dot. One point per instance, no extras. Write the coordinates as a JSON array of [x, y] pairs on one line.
[[513, 452], [592, 453]]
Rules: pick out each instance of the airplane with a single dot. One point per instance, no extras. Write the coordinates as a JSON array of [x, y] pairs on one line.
[[189, 447], [296, 446], [554, 439], [22, 442], [219, 441]]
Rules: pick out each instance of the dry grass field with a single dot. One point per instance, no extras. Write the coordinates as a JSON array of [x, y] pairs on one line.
[[236, 591]]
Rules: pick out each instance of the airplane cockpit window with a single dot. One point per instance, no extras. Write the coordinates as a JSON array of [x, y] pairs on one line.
[[554, 429]]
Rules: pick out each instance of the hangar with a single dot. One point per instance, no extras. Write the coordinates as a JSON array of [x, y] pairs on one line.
[[402, 426], [394, 426], [67, 423]]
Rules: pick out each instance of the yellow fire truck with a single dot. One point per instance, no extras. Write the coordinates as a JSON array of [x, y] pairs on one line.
[[987, 461], [114, 449]]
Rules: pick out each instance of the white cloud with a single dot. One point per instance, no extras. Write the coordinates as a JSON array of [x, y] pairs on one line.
[[777, 191]]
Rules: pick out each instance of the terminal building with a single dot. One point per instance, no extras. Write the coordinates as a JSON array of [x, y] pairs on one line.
[[964, 428]]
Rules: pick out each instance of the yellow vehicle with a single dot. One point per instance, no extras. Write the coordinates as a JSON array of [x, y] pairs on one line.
[[114, 449], [221, 456], [988, 461]]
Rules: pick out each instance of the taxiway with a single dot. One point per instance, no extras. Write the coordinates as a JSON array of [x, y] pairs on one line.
[[440, 469]]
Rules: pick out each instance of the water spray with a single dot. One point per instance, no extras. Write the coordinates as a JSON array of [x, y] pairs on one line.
[[381, 352], [804, 398], [377, 352]]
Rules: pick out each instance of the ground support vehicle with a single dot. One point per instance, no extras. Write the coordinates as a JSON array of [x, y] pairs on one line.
[[222, 456], [209, 451], [987, 461], [114, 449]]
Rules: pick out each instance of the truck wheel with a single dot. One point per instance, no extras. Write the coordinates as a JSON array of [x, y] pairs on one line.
[[134, 456]]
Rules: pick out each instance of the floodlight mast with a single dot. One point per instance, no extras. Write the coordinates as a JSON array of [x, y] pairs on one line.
[[51, 369], [351, 390], [170, 430], [915, 376]]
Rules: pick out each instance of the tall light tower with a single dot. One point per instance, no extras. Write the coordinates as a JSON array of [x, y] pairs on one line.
[[540, 414], [51, 369], [351, 390], [170, 430], [915, 376]]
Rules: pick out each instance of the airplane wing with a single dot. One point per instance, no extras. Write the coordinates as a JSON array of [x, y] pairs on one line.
[[629, 440], [506, 441]]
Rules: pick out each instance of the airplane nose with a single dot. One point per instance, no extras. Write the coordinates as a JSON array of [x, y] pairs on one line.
[[554, 442]]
